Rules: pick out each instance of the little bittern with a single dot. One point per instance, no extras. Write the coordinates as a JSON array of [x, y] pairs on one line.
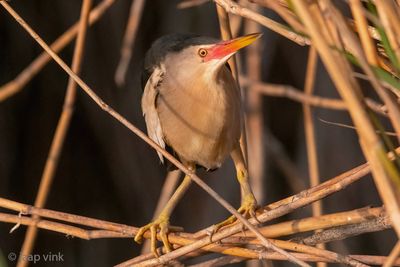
[[192, 107]]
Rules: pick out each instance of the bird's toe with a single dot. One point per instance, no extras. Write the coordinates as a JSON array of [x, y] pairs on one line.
[[161, 225]]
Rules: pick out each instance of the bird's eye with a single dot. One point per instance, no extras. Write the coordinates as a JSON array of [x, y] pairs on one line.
[[202, 52]]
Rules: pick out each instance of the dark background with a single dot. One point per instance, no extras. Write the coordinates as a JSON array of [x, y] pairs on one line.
[[106, 172]]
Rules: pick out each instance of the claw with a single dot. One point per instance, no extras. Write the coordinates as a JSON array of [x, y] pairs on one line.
[[161, 224], [247, 209]]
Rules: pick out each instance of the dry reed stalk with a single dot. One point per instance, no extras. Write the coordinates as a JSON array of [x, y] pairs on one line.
[[309, 129], [384, 84], [226, 34], [64, 217], [144, 137], [280, 208], [339, 70], [127, 232], [317, 223], [129, 39], [305, 197], [254, 115], [362, 29], [225, 248], [342, 232], [294, 94], [324, 255], [371, 260], [112, 230], [390, 21], [357, 216], [353, 45], [275, 210], [296, 247], [309, 126], [272, 211], [17, 84], [349, 90], [335, 257], [60, 133], [224, 260], [59, 227], [124, 231], [234, 8], [284, 12], [393, 256], [387, 177], [236, 23], [254, 118], [221, 261], [332, 234]]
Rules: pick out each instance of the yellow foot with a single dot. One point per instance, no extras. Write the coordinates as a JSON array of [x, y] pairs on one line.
[[161, 224], [247, 209]]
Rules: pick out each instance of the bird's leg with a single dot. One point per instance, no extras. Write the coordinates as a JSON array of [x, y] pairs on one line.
[[249, 203], [162, 221]]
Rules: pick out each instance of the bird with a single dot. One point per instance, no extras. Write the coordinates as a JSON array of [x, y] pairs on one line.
[[192, 108]]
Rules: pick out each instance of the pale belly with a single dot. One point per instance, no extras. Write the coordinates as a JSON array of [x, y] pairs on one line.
[[202, 128]]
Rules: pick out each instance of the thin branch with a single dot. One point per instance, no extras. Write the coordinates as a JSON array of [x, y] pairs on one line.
[[113, 230], [126, 233], [361, 24], [393, 256], [129, 39], [275, 210], [66, 217], [354, 128], [221, 261], [234, 8], [17, 84], [142, 135], [318, 252], [343, 232], [318, 223], [272, 211], [305, 197], [254, 116], [249, 253], [354, 46], [309, 129], [338, 67], [226, 34], [60, 133], [284, 12], [299, 96], [357, 216]]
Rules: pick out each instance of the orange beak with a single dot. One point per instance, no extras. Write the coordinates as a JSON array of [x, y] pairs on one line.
[[225, 48]]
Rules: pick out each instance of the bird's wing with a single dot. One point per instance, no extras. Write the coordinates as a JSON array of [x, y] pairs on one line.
[[150, 112]]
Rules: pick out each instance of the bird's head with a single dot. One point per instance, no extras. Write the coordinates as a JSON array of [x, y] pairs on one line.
[[220, 52], [206, 56]]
